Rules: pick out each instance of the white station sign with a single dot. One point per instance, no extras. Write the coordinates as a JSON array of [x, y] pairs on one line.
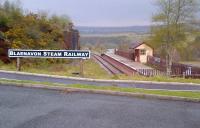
[[74, 54]]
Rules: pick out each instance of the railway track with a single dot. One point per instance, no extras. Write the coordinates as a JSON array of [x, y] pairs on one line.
[[107, 66]]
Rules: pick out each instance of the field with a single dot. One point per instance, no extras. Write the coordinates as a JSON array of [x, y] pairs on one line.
[[110, 40]]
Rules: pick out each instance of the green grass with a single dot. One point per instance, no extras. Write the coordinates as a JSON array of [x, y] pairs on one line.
[[91, 70], [186, 94], [159, 79]]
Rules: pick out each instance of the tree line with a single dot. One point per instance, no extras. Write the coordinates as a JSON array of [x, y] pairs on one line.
[[22, 29], [174, 35], [176, 30]]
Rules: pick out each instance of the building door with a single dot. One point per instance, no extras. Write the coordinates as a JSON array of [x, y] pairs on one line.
[[137, 55]]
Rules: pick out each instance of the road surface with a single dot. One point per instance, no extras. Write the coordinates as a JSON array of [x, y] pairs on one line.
[[121, 84], [39, 108]]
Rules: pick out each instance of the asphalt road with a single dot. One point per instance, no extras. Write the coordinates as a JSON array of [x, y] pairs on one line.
[[38, 108], [71, 81]]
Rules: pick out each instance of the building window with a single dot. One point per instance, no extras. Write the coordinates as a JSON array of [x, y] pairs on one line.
[[142, 52]]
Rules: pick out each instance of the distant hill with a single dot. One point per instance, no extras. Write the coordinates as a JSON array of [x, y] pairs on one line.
[[114, 30], [111, 40]]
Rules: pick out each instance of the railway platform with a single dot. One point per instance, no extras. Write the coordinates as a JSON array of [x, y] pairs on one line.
[[129, 63]]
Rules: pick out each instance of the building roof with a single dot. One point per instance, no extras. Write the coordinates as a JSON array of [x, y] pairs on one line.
[[137, 44]]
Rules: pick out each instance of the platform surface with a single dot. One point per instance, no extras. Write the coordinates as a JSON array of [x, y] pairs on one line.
[[130, 63]]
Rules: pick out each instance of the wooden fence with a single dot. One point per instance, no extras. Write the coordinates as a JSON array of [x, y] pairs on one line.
[[150, 72], [178, 70]]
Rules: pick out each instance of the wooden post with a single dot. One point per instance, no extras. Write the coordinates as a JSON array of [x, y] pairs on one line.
[[81, 68], [184, 74], [18, 64]]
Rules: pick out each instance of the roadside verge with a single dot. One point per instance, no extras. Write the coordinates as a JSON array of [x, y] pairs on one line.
[[100, 80], [115, 91]]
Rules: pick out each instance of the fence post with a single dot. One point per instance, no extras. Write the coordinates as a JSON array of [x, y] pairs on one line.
[[184, 75]]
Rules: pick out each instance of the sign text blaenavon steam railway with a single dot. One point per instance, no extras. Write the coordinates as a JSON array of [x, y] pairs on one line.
[[16, 53]]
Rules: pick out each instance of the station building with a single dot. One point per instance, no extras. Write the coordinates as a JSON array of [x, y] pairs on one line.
[[141, 51], [138, 52]]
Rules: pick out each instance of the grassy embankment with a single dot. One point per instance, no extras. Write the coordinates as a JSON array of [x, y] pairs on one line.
[[185, 94], [91, 70]]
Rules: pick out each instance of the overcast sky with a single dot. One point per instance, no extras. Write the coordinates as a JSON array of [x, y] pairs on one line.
[[98, 12]]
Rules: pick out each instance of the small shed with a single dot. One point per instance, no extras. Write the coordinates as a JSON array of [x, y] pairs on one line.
[[141, 50]]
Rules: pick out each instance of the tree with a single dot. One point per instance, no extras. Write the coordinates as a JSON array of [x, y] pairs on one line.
[[171, 21], [27, 30]]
